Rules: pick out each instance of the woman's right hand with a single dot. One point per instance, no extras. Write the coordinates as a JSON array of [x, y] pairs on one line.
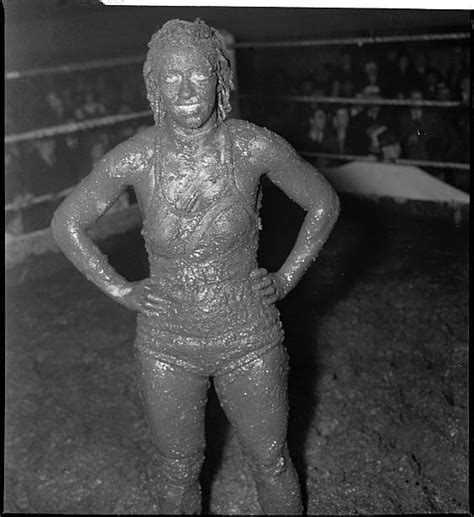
[[141, 297]]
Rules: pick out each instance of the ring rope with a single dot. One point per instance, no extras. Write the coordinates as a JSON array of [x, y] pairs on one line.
[[28, 200], [74, 67], [355, 100], [103, 63], [399, 161], [73, 127], [353, 41]]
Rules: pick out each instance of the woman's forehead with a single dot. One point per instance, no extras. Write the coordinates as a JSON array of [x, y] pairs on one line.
[[184, 58]]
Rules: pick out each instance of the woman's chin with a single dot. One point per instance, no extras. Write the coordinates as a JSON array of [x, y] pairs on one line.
[[188, 121]]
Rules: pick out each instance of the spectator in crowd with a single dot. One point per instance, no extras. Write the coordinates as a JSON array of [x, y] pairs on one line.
[[443, 91], [75, 155], [373, 132], [337, 140], [403, 80], [336, 88], [363, 125], [345, 70], [307, 86], [422, 132], [318, 136], [43, 162], [56, 113], [371, 84], [89, 108], [432, 80], [347, 88], [356, 109], [389, 149], [45, 168]]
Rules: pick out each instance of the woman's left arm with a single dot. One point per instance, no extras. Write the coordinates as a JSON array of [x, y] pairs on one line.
[[310, 190]]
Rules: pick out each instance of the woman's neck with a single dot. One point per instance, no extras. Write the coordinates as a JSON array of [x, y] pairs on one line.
[[192, 136]]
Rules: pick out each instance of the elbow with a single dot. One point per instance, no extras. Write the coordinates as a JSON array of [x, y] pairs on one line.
[[60, 228], [329, 206], [326, 208]]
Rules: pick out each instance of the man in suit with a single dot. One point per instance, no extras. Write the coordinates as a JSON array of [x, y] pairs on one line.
[[423, 133], [360, 130]]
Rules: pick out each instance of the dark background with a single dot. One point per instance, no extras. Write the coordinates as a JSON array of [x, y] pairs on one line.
[[54, 31]]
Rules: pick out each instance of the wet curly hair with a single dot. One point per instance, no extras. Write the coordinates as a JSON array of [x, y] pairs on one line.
[[196, 34]]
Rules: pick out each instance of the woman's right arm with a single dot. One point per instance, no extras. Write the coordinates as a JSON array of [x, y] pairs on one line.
[[89, 200]]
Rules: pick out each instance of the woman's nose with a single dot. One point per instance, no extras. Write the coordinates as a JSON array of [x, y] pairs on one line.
[[186, 91]]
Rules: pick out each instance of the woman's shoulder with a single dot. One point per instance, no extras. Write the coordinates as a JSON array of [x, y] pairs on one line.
[[251, 137], [135, 154], [259, 148]]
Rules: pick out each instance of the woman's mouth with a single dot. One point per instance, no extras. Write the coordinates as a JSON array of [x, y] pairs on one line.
[[187, 108]]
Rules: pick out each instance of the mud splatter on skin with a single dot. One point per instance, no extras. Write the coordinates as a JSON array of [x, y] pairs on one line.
[[207, 308]]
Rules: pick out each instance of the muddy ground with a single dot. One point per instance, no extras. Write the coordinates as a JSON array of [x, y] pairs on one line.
[[377, 336]]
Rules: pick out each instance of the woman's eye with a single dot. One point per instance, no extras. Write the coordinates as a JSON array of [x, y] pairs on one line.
[[199, 77], [171, 79]]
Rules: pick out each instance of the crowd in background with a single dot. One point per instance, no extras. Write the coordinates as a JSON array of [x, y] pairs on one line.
[[383, 132], [38, 167]]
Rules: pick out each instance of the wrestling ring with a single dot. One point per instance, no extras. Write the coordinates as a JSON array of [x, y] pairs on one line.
[[37, 242], [376, 331]]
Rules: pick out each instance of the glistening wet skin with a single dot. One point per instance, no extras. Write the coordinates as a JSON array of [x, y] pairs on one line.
[[207, 309]]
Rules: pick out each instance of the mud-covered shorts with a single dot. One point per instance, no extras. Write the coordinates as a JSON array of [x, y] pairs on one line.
[[210, 330]]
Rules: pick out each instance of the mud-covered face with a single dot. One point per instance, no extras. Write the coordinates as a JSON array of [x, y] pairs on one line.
[[188, 87]]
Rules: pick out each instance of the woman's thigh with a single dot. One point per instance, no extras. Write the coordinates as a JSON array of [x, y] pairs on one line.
[[175, 401], [254, 398]]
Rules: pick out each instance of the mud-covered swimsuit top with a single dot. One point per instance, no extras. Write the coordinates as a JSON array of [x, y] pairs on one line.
[[210, 224]]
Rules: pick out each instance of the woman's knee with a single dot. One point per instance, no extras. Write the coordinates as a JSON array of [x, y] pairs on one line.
[[181, 470], [178, 490], [268, 463]]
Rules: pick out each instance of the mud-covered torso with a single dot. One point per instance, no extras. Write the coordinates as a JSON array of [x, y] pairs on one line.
[[201, 229], [193, 209]]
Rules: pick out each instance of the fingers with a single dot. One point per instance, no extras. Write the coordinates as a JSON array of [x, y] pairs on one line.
[[153, 297], [261, 278], [268, 300], [270, 295], [269, 290], [154, 301], [258, 272], [148, 300], [266, 281]]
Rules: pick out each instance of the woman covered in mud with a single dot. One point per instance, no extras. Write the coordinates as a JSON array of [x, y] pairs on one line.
[[207, 309]]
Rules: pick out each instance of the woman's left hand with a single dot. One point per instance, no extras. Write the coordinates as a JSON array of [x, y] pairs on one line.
[[270, 285]]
